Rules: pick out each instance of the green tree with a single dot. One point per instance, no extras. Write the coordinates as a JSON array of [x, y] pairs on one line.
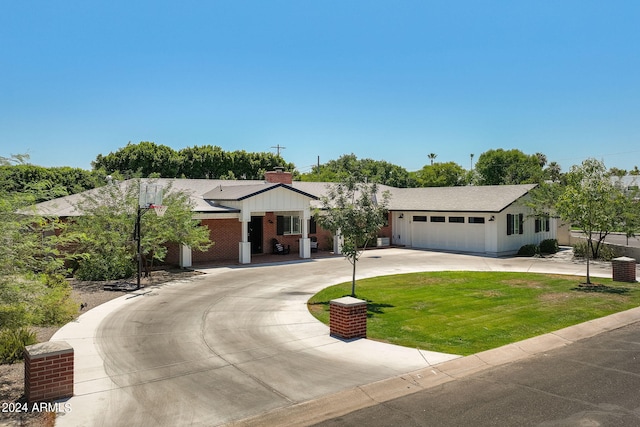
[[101, 240], [378, 171], [148, 159], [592, 202], [432, 157], [245, 165], [617, 172], [353, 210], [204, 162], [441, 175], [140, 160], [499, 167], [32, 289], [22, 178], [553, 172]]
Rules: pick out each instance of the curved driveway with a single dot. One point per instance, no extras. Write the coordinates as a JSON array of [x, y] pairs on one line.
[[239, 342]]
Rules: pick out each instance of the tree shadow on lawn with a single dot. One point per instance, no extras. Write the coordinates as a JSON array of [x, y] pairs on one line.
[[372, 307], [598, 288], [375, 308]]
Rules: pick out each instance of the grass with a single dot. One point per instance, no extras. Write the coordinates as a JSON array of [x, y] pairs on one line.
[[467, 312]]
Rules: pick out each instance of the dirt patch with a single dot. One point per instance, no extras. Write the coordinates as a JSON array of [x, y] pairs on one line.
[[554, 296], [88, 295], [491, 293], [519, 283]]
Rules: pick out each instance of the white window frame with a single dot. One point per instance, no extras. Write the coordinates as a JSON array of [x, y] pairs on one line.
[[292, 225], [516, 223]]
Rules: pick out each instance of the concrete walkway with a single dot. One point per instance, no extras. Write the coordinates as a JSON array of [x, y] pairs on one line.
[[239, 344]]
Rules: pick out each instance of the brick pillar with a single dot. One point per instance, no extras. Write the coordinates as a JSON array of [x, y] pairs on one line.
[[348, 318], [48, 371], [624, 269]]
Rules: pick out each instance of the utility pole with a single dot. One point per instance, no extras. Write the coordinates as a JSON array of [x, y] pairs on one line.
[[278, 147]]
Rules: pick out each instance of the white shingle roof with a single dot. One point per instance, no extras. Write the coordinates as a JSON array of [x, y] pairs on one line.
[[489, 198], [209, 196]]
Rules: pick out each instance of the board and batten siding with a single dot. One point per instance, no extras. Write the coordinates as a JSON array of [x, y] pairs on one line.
[[509, 244], [417, 229], [275, 200]]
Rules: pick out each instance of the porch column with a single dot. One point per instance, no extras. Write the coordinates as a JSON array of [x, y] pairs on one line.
[[338, 241], [305, 242], [185, 256], [245, 244]]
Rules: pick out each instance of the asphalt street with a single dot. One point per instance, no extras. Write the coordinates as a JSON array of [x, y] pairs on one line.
[[618, 239], [593, 382], [239, 342]]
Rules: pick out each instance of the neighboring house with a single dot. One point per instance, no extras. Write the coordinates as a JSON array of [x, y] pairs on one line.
[[629, 183], [244, 216]]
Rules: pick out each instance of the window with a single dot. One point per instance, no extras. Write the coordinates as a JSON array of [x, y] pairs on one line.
[[437, 219], [457, 219], [514, 224], [288, 224], [419, 218], [542, 224], [476, 220]]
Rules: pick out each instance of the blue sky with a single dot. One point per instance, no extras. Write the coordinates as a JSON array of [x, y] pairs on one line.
[[387, 80]]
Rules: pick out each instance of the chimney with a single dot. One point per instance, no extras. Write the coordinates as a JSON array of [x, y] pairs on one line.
[[278, 176]]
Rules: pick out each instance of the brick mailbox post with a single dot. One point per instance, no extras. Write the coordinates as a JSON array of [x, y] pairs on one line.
[[48, 371], [624, 269], [348, 318]]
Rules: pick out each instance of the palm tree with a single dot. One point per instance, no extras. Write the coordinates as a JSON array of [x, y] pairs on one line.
[[432, 157], [554, 171], [542, 159]]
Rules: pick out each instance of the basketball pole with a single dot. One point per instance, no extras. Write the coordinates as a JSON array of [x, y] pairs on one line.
[[144, 204], [139, 255]]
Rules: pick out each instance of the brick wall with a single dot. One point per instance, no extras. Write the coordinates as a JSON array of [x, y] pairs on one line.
[[278, 177], [348, 318], [48, 371], [226, 234]]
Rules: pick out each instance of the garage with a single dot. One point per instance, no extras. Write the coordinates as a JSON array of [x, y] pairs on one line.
[[444, 231], [492, 220]]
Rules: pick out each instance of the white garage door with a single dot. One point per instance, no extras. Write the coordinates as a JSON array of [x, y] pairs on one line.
[[451, 232]]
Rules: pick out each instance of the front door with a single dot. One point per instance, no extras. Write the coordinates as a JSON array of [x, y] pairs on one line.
[[255, 234]]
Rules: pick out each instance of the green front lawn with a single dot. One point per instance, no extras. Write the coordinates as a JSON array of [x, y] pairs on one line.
[[467, 312]]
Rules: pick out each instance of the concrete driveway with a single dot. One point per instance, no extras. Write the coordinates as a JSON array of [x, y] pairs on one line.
[[239, 342]]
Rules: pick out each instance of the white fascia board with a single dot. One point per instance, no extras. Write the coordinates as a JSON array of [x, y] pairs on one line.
[[230, 215]]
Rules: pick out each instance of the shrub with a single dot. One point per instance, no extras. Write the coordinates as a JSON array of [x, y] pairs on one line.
[[549, 246], [13, 342], [580, 249], [13, 315], [97, 268], [36, 299], [605, 253], [55, 305], [528, 250]]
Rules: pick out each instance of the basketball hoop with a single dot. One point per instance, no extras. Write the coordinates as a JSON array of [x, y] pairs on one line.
[[159, 209], [150, 195]]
